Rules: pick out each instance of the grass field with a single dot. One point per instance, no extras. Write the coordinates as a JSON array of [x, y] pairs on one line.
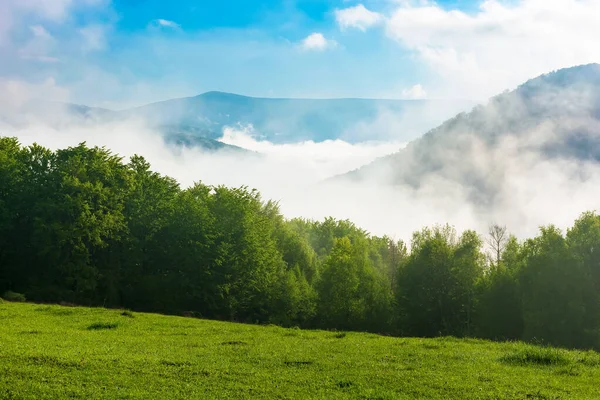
[[52, 352]]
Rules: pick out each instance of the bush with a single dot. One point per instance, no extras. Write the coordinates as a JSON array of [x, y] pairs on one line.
[[12, 296]]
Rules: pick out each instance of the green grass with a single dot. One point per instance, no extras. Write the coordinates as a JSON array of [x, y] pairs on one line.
[[53, 352]]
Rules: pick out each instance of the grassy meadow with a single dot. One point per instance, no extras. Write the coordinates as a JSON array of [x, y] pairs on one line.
[[54, 352]]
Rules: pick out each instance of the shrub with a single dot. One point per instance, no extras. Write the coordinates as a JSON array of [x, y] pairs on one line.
[[13, 296]]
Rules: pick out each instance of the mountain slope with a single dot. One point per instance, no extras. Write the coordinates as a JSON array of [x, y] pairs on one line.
[[554, 118], [293, 120], [75, 118], [52, 352], [277, 120]]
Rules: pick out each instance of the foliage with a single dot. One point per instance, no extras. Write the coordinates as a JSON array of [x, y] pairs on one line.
[[436, 287], [82, 226], [12, 296]]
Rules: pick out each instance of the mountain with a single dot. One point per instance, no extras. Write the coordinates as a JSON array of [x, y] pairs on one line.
[[293, 120], [73, 117], [201, 119], [183, 140], [553, 119]]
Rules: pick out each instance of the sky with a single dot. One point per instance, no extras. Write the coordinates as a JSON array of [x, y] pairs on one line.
[[123, 53]]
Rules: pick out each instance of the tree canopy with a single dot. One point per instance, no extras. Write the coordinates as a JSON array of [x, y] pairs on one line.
[[82, 225]]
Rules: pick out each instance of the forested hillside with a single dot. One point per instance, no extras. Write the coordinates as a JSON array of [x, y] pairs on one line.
[[81, 225], [554, 119]]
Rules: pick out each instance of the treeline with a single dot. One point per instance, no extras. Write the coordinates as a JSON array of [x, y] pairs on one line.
[[80, 225]]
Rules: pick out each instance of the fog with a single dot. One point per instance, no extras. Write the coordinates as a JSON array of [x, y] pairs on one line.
[[529, 187]]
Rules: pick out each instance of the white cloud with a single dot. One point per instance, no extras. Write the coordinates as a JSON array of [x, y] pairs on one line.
[[14, 93], [414, 92], [93, 37], [321, 160], [53, 10], [501, 44], [11, 11], [166, 23], [317, 42], [40, 46], [357, 17], [40, 31], [292, 174]]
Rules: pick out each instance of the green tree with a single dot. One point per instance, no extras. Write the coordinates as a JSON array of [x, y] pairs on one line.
[[12, 185], [247, 263], [436, 288], [352, 293], [149, 212], [557, 293]]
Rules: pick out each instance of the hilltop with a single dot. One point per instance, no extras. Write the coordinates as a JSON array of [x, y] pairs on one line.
[[282, 120], [554, 118], [279, 120]]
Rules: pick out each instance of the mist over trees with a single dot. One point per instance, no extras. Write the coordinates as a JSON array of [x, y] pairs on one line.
[[82, 225]]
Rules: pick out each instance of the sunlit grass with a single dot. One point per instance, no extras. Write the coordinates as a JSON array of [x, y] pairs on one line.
[[53, 352]]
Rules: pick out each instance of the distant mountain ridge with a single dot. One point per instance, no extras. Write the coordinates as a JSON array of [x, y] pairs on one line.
[[282, 120], [279, 120]]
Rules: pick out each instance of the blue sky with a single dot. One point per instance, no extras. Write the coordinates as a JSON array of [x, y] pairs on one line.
[[122, 53]]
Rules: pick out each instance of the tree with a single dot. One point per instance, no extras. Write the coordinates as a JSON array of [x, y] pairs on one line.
[[436, 286], [496, 240], [500, 312], [558, 293], [247, 261], [80, 225], [150, 208], [11, 200]]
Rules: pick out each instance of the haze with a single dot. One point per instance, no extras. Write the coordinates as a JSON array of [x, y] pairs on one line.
[[71, 51]]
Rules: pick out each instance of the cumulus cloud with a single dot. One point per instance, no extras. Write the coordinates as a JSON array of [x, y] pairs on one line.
[[46, 30], [358, 17], [317, 42], [478, 53], [493, 48], [414, 92], [165, 23]]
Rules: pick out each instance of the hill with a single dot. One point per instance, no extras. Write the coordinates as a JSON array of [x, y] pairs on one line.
[[66, 117], [553, 118], [201, 119], [52, 352], [293, 120]]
